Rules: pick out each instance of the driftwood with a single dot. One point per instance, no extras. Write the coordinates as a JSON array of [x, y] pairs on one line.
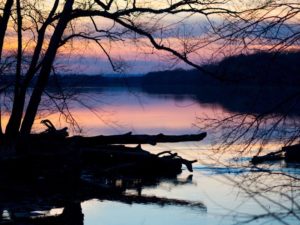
[[86, 168], [292, 153], [120, 159], [288, 153], [49, 153], [51, 130], [129, 138], [273, 156]]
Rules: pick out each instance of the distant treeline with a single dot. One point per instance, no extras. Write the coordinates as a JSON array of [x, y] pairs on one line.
[[270, 69]]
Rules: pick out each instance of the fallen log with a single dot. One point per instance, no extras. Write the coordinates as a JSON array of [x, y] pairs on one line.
[[122, 159], [129, 138], [273, 156], [107, 153], [288, 153], [292, 153]]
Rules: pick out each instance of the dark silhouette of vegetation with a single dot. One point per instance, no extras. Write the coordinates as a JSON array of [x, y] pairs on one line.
[[263, 68]]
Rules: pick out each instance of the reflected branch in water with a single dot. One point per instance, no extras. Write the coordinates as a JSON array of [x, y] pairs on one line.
[[272, 188], [274, 195], [25, 201], [273, 126], [161, 201]]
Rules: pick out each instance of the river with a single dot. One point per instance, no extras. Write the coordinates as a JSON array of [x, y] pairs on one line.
[[231, 190]]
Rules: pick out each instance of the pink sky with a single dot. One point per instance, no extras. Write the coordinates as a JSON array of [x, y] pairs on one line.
[[177, 31]]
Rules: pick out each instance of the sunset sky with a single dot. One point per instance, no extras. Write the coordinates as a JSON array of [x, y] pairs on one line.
[[182, 32]]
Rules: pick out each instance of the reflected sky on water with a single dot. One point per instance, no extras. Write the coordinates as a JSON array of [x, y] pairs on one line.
[[232, 191], [226, 203], [229, 193]]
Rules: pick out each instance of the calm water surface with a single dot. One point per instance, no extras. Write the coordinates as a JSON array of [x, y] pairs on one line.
[[231, 191]]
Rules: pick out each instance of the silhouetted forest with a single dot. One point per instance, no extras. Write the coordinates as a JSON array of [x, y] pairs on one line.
[[256, 83], [251, 70]]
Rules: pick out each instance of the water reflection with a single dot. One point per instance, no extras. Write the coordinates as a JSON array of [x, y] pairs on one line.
[[246, 196], [211, 196], [275, 192], [223, 192], [235, 99], [37, 203], [113, 213]]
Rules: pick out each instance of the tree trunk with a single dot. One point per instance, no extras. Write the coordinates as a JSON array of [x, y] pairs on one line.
[[46, 69], [12, 128], [19, 102], [1, 132], [4, 22], [3, 27], [72, 214]]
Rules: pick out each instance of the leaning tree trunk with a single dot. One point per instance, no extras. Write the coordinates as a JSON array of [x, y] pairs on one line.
[[4, 22], [3, 28], [1, 132], [12, 127], [46, 69]]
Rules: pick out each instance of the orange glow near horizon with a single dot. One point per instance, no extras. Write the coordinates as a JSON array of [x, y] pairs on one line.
[[150, 116], [145, 115], [140, 48], [142, 51], [144, 118]]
